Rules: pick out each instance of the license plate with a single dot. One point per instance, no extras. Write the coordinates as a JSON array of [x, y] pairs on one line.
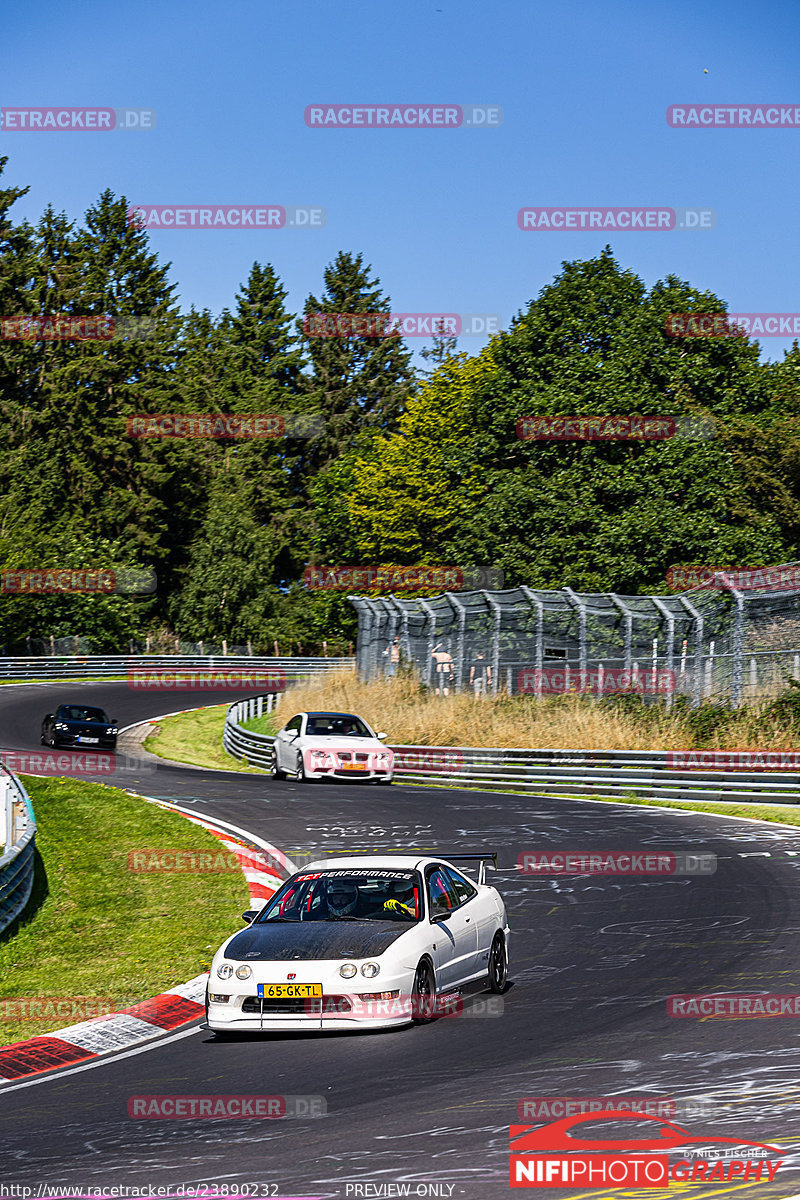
[[289, 991], [91, 741], [354, 767]]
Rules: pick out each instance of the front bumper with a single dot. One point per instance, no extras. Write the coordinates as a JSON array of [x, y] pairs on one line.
[[80, 743], [334, 766], [338, 1008]]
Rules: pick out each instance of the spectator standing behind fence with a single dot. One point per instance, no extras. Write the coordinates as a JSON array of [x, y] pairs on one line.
[[480, 674], [442, 669], [394, 656]]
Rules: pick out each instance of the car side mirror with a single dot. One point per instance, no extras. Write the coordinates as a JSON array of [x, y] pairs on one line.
[[48, 716], [381, 736], [444, 915], [249, 916]]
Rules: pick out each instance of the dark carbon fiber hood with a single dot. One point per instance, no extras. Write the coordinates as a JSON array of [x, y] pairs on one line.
[[313, 941]]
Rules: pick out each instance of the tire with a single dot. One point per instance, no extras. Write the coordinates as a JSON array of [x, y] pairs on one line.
[[498, 964], [423, 995], [274, 773], [301, 775]]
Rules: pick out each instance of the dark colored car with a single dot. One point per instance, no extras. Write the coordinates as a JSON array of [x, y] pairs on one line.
[[79, 725]]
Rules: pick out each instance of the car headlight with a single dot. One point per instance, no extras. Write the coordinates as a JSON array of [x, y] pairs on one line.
[[112, 730], [61, 725], [225, 970], [370, 970], [243, 972], [347, 970]]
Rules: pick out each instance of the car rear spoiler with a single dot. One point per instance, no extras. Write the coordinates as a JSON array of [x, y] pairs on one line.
[[479, 858]]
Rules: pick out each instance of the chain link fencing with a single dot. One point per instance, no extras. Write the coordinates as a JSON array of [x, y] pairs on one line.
[[733, 639]]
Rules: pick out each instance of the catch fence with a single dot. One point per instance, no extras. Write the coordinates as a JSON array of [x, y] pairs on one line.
[[733, 639]]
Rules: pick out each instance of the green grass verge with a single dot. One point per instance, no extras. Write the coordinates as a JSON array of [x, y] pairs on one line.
[[94, 928], [195, 737], [268, 724]]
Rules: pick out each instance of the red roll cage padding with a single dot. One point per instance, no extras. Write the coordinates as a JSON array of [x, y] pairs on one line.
[[416, 901]]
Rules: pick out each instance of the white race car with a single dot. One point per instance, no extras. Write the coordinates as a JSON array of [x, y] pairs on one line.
[[314, 745], [360, 942]]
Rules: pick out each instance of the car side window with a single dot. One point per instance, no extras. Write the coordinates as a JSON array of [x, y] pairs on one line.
[[294, 725], [461, 886], [441, 896]]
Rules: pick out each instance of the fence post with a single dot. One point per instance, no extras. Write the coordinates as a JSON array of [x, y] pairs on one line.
[[8, 835], [581, 607], [698, 655], [462, 625], [738, 639], [498, 619], [670, 619], [539, 606]]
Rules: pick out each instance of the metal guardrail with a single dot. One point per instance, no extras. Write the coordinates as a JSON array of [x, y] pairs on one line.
[[643, 773], [82, 666], [243, 743], [18, 845]]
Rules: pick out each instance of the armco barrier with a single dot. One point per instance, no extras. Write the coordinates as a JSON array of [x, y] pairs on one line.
[[81, 666], [642, 773], [17, 842]]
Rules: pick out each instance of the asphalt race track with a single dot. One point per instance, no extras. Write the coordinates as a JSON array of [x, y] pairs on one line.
[[592, 961]]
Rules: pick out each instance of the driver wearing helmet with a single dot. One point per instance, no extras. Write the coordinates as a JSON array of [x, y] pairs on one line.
[[342, 898], [402, 899]]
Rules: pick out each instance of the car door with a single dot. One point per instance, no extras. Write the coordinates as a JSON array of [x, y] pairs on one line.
[[284, 744], [482, 915], [456, 938]]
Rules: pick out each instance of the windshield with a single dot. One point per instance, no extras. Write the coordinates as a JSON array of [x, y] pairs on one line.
[[354, 895], [339, 725], [72, 712]]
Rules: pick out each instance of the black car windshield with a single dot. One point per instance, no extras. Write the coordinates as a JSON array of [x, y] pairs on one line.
[[73, 712], [368, 894], [337, 725]]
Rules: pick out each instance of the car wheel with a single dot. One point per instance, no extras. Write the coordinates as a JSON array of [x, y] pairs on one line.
[[274, 772], [498, 964], [423, 995], [303, 777]]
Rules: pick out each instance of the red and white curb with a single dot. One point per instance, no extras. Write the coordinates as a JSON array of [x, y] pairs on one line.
[[149, 1019]]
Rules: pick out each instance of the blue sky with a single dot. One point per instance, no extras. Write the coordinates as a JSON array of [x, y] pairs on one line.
[[584, 87]]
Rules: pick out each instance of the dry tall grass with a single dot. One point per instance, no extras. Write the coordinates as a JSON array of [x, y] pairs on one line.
[[412, 716]]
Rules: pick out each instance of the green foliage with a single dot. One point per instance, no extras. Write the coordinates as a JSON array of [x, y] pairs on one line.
[[409, 469]]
